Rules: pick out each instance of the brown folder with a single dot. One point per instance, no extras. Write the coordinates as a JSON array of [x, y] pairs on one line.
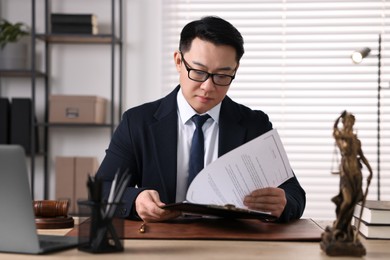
[[223, 229]]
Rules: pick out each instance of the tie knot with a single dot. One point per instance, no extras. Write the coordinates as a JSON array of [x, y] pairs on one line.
[[199, 120]]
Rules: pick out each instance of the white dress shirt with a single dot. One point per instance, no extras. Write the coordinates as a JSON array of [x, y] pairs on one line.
[[186, 128]]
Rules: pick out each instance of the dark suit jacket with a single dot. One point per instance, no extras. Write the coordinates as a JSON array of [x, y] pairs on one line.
[[145, 142]]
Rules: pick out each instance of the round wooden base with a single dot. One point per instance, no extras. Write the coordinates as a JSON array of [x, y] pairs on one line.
[[54, 223]]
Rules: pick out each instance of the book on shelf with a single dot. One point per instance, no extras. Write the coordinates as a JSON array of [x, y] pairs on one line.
[[59, 28], [5, 110], [74, 18], [21, 125], [374, 231], [219, 189], [374, 212]]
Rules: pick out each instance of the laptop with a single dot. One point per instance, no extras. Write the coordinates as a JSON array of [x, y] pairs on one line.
[[18, 233]]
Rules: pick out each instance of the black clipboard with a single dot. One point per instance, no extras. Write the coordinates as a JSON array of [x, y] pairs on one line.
[[225, 211]]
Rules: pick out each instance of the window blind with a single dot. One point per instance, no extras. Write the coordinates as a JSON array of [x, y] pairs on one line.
[[297, 69]]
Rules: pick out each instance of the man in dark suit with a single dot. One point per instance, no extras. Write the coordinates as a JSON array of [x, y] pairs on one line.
[[153, 140]]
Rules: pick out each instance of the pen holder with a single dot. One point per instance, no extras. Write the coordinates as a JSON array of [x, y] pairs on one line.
[[101, 232]]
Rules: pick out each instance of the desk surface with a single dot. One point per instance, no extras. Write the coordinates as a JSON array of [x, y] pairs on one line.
[[211, 249]]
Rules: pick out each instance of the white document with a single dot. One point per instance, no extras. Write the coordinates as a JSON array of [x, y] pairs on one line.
[[257, 164]]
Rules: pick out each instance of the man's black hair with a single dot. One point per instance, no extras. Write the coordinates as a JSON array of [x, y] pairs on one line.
[[212, 29]]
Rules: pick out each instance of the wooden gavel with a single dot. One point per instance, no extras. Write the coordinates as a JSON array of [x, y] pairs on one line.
[[51, 208]]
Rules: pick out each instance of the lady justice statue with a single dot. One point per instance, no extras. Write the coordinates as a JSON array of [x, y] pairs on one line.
[[341, 238]]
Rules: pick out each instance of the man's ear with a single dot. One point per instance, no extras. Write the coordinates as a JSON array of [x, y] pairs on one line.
[[177, 60]]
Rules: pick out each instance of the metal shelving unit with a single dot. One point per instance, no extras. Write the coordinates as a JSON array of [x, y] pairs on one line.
[[114, 40]]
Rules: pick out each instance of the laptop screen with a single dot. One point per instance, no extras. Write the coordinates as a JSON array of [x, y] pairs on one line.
[[18, 232]]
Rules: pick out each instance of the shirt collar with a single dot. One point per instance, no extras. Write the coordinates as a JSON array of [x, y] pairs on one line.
[[186, 111]]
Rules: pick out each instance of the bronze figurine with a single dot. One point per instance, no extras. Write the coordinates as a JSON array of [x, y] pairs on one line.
[[342, 239]]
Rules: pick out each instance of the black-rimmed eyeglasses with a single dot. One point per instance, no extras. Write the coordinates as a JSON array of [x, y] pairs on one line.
[[202, 76]]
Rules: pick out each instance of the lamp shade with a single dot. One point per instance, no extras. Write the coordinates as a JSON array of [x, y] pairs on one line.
[[359, 55]]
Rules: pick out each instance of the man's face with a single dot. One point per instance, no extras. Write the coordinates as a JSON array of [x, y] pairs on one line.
[[205, 56]]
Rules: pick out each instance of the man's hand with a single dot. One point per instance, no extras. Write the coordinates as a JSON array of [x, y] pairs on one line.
[[148, 206], [271, 200]]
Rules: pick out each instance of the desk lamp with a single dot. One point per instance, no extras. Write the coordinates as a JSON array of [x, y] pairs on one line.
[[357, 57]]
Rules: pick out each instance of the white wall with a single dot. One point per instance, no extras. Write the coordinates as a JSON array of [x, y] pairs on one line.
[[85, 69]]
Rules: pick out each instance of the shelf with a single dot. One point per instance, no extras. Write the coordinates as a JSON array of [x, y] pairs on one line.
[[78, 38], [73, 125], [21, 74]]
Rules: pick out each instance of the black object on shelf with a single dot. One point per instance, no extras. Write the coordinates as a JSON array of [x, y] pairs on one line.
[[74, 29], [71, 18], [21, 125], [4, 120], [68, 23]]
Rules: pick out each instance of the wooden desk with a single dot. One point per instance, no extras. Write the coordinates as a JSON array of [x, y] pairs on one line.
[[211, 249]]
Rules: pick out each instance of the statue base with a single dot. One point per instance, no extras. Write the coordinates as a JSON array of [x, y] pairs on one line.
[[340, 247]]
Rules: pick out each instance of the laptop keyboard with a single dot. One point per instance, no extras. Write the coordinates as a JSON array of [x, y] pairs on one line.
[[49, 243]]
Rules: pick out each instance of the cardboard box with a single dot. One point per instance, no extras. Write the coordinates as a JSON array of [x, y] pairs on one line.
[[77, 109], [71, 178], [64, 167], [85, 166]]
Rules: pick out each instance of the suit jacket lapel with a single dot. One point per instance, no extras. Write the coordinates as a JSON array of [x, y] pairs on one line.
[[164, 133]]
